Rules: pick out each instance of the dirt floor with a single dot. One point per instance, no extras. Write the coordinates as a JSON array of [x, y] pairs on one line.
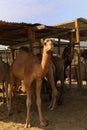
[[72, 115]]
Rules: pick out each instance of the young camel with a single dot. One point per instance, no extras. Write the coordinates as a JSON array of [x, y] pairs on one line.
[[28, 68]]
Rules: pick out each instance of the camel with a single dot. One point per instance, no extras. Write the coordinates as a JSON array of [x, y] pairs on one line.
[[67, 57], [59, 75], [4, 76], [28, 68], [57, 71], [50, 76]]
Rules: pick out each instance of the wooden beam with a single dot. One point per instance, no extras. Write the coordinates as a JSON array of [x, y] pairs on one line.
[[78, 50], [41, 27], [71, 53], [31, 37], [58, 46], [65, 23]]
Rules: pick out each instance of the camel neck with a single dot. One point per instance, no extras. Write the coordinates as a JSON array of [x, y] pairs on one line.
[[46, 56]]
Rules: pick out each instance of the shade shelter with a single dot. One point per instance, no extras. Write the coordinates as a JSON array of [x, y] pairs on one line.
[[18, 34]]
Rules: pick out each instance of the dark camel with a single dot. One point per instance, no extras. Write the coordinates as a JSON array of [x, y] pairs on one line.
[[59, 73], [67, 56], [28, 68], [4, 76]]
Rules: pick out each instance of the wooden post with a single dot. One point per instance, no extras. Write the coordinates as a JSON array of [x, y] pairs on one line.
[[71, 47], [31, 37], [78, 50], [13, 55], [40, 46], [59, 46]]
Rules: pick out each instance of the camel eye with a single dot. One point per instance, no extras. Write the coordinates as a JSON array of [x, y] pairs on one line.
[[44, 43], [48, 40]]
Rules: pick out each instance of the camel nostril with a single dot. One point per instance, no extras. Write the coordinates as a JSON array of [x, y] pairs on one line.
[[44, 43]]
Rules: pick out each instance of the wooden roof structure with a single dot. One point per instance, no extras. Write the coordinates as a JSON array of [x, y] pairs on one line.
[[16, 34], [80, 24]]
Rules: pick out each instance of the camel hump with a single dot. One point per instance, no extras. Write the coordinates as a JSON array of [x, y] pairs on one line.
[[23, 48]]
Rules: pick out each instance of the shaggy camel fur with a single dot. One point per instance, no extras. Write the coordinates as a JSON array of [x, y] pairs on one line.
[[28, 68]]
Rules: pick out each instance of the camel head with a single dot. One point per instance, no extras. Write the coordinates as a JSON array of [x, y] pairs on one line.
[[48, 44]]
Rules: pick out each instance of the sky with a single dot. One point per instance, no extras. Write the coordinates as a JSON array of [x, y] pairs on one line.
[[48, 12]]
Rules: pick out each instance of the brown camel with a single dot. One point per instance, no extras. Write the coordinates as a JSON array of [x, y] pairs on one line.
[[28, 68], [51, 80], [57, 71]]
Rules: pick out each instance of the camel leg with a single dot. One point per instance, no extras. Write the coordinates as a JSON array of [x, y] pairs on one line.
[[14, 98], [54, 95], [38, 102], [3, 91], [28, 104], [61, 97], [6, 91], [9, 91], [50, 77], [11, 94]]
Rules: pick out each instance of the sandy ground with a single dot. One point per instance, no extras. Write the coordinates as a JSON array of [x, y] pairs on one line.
[[72, 115]]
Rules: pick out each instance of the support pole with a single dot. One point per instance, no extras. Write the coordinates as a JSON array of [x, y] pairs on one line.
[[78, 50], [13, 54], [31, 37], [71, 53], [59, 46]]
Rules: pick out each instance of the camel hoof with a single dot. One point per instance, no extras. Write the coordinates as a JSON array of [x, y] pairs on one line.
[[52, 108], [44, 123], [27, 126]]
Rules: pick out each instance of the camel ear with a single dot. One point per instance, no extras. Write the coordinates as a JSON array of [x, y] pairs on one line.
[[42, 41]]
